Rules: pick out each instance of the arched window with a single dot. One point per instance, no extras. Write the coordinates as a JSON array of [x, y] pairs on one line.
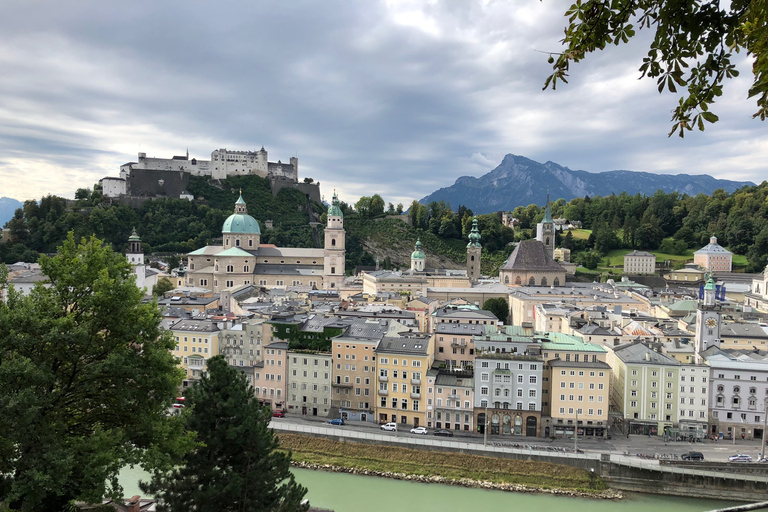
[[471, 258], [518, 280], [506, 279], [532, 281], [543, 281], [556, 282], [546, 241], [333, 242]]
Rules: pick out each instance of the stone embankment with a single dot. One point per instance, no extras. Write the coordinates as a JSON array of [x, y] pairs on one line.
[[463, 482]]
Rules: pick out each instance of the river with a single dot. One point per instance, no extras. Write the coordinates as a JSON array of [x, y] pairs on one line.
[[352, 493]]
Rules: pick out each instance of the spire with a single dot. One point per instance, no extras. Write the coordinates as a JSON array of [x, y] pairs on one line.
[[474, 235], [134, 236], [335, 209], [547, 211], [240, 204]]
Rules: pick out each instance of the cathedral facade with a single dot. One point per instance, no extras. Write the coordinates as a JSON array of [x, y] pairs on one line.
[[243, 260]]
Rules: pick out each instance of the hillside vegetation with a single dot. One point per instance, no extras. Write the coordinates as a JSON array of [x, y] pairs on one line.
[[669, 224]]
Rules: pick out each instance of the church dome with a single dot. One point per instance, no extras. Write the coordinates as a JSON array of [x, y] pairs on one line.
[[474, 235], [334, 209], [240, 221], [418, 254]]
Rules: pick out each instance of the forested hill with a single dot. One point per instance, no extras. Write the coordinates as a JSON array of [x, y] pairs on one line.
[[670, 222], [519, 181], [165, 225]]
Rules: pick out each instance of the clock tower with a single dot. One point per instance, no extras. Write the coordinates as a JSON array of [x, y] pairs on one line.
[[707, 320]]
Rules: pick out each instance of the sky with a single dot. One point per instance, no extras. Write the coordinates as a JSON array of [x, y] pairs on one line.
[[393, 97]]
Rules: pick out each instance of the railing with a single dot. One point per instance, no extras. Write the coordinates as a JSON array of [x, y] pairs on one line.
[[342, 384], [415, 395], [383, 378], [383, 392], [416, 381]]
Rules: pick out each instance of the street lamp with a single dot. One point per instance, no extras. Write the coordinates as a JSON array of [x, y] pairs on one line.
[[765, 427]]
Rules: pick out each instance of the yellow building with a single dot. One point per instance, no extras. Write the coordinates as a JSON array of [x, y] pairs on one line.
[[403, 364], [196, 342]]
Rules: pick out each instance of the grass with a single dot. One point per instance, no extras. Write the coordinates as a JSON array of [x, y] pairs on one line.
[[451, 465], [579, 234]]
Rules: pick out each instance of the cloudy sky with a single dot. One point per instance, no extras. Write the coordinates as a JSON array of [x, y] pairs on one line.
[[393, 97]]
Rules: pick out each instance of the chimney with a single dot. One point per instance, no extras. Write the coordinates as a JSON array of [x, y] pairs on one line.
[[133, 504]]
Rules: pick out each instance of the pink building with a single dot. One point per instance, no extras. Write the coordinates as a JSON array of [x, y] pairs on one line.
[[714, 257]]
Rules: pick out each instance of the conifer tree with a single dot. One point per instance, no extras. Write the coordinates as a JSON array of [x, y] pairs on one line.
[[236, 466]]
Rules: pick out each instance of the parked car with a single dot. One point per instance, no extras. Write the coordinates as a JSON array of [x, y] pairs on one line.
[[740, 457], [419, 430], [336, 421], [692, 456], [278, 414], [389, 426], [179, 402], [443, 432]]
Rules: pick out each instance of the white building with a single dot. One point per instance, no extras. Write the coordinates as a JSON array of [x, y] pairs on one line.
[[639, 262], [714, 257]]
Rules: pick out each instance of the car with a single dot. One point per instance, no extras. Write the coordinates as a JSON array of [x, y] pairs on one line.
[[336, 421], [419, 430], [740, 457], [692, 456], [179, 402], [278, 414], [443, 432], [392, 427]]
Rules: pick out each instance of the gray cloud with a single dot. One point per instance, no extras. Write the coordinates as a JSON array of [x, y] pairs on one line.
[[396, 98]]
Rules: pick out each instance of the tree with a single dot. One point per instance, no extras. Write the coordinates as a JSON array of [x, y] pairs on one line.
[[693, 45], [499, 307], [590, 259], [86, 380], [237, 458], [163, 285]]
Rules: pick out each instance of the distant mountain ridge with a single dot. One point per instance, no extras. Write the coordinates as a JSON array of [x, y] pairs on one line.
[[8, 207], [520, 181]]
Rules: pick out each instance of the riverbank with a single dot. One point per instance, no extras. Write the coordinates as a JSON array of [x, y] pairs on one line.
[[444, 467]]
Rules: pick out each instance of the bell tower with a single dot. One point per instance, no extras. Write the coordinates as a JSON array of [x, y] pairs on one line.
[[334, 249], [474, 252], [707, 319], [135, 256], [545, 230]]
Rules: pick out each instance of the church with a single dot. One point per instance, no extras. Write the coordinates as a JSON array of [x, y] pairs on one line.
[[243, 260]]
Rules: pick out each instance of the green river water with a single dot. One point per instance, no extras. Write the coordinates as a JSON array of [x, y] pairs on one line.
[[351, 493]]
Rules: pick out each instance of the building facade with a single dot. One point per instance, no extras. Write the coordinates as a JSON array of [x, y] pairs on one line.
[[639, 262], [714, 257]]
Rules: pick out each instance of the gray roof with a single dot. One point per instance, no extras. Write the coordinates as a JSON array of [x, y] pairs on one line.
[[372, 330], [416, 346], [737, 330], [463, 311], [460, 329], [531, 255], [278, 344], [639, 253], [277, 269], [194, 326], [636, 353], [595, 330], [451, 379]]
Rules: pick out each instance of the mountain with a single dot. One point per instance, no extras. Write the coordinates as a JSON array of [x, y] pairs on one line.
[[7, 207], [519, 181]]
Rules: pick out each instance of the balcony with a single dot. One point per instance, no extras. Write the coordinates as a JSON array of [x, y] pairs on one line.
[[383, 378], [459, 344], [383, 392], [196, 363], [415, 395], [342, 385], [416, 381]]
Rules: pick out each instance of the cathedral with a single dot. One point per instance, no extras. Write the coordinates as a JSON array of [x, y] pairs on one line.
[[243, 260]]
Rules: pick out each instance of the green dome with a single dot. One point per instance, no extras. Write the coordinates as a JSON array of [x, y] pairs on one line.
[[474, 235], [241, 223], [418, 254], [334, 209], [134, 237], [710, 284]]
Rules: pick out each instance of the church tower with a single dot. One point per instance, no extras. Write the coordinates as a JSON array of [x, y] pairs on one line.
[[474, 251], [545, 230], [707, 319], [418, 259], [135, 256], [334, 249]]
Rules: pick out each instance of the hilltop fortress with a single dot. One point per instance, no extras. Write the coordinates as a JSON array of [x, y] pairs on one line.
[[169, 177]]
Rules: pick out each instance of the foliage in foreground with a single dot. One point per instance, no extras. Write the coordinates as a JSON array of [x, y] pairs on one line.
[[236, 466], [86, 380]]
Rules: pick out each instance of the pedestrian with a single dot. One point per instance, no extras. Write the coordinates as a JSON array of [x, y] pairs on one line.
[[627, 434]]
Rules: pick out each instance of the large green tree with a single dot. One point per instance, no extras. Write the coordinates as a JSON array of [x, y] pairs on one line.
[[86, 380], [237, 466], [498, 306], [693, 47]]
